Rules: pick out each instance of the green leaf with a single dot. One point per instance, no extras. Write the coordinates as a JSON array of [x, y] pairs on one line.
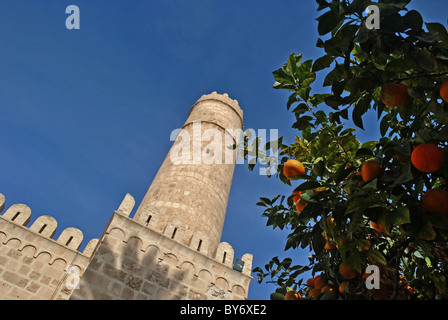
[[405, 177], [377, 256], [293, 61], [322, 63], [384, 125], [400, 216], [277, 296], [308, 185], [334, 101], [360, 109], [327, 22], [412, 20], [426, 230], [438, 30], [322, 4], [333, 76], [301, 109], [438, 220], [367, 152]]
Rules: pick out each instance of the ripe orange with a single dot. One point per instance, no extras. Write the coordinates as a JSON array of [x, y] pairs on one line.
[[331, 289], [436, 200], [301, 204], [371, 170], [342, 287], [444, 90], [365, 244], [292, 295], [329, 245], [395, 95], [427, 157], [293, 168], [342, 241], [313, 294], [318, 282], [346, 272], [310, 282], [377, 226], [297, 197]]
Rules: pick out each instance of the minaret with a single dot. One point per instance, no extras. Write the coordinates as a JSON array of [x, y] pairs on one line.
[[171, 248], [193, 184]]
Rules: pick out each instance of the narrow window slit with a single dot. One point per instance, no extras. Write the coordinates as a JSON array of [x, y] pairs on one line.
[[199, 245], [69, 240], [174, 233], [224, 257], [148, 220], [42, 228], [15, 216]]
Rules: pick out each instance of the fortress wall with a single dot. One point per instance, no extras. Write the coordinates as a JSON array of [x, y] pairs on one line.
[[33, 265], [136, 262]]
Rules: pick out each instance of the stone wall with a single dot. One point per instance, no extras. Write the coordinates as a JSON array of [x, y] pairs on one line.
[[136, 262], [32, 264]]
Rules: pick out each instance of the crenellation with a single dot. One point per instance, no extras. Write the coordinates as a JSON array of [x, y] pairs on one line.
[[71, 238], [19, 213], [126, 205], [45, 226], [2, 202]]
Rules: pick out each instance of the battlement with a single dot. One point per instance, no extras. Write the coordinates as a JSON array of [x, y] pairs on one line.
[[224, 98], [175, 230], [33, 265], [135, 261], [45, 226]]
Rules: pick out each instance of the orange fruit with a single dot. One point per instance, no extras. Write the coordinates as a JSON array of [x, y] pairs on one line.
[[346, 272], [292, 295], [329, 246], [293, 168], [377, 226], [301, 204], [297, 197], [342, 287], [436, 200], [310, 282], [427, 157], [342, 241], [395, 95], [444, 90], [313, 294], [331, 289], [318, 282], [365, 245], [371, 170]]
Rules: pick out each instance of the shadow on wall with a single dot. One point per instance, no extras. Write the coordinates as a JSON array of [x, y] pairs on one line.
[[134, 262], [136, 273]]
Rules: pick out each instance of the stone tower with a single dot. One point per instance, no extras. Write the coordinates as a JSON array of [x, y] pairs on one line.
[[172, 247], [192, 194]]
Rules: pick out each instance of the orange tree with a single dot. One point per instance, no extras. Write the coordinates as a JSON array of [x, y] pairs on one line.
[[357, 215]]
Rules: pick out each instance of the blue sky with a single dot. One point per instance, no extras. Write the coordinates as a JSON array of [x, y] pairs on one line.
[[86, 115]]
